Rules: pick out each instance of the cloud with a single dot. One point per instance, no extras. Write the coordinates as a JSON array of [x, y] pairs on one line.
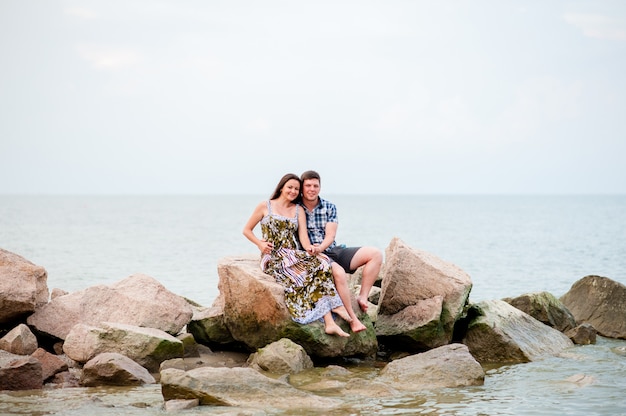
[[108, 58], [81, 13], [598, 26]]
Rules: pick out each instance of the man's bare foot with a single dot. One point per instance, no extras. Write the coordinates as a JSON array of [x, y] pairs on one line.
[[343, 313], [334, 329], [362, 304], [357, 326]]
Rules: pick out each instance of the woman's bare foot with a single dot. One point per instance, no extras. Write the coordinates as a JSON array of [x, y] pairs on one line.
[[362, 304], [334, 329], [343, 313], [357, 326]]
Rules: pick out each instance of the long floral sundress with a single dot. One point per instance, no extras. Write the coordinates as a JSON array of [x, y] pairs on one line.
[[310, 291]]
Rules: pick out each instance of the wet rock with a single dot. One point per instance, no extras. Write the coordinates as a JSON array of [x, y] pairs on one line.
[[239, 387], [447, 366], [584, 334], [281, 357], [546, 308], [500, 333], [601, 302]]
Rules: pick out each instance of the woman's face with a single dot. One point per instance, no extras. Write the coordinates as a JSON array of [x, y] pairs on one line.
[[291, 190]]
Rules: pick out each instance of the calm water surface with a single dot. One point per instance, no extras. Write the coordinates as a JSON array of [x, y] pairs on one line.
[[509, 245]]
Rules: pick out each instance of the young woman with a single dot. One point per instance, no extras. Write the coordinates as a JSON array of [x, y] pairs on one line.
[[310, 293]]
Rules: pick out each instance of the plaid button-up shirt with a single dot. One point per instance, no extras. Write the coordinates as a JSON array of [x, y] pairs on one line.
[[316, 220]]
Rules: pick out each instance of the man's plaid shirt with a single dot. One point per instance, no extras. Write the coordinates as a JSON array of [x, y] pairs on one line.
[[316, 220]]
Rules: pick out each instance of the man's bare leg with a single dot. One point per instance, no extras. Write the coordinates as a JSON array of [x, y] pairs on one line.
[[372, 259], [341, 283]]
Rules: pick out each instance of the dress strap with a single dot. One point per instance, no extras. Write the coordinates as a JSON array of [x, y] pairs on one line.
[[269, 207]]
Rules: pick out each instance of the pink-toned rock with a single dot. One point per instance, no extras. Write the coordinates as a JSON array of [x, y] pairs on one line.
[[138, 300], [114, 369], [20, 340], [50, 363], [23, 286], [19, 372], [421, 297]]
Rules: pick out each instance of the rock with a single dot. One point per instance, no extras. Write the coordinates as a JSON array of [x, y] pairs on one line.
[[113, 369], [581, 380], [239, 387], [281, 357], [20, 340], [208, 327], [583, 334], [50, 363], [601, 302], [177, 405], [23, 287], [421, 298], [447, 366], [546, 308], [19, 372], [500, 333], [149, 347], [137, 300], [255, 315]]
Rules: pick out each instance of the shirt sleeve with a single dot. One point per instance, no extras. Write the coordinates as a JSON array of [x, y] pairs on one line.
[[331, 213]]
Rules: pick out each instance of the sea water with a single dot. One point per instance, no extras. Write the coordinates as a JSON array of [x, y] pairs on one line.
[[509, 245]]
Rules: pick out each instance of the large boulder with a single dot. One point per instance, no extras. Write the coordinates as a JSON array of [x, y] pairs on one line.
[[138, 300], [448, 366], [500, 333], [240, 387], [23, 287], [545, 307], [254, 313], [19, 372], [601, 302], [421, 298], [147, 346]]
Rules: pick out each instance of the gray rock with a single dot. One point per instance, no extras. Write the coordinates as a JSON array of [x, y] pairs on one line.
[[19, 372], [147, 346], [448, 366], [601, 302], [501, 333], [281, 357], [546, 308]]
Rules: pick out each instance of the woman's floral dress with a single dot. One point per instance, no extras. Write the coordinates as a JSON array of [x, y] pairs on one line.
[[310, 291]]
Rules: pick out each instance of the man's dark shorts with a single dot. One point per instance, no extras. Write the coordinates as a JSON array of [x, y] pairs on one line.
[[343, 256]]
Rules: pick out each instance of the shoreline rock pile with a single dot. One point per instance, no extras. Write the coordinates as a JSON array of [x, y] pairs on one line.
[[421, 329]]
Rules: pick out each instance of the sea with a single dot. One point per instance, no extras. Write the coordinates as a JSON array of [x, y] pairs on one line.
[[508, 245]]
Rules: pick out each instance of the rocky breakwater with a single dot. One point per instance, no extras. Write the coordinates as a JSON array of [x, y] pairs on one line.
[[245, 351]]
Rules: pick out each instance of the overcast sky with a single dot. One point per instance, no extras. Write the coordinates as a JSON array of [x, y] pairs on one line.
[[198, 97]]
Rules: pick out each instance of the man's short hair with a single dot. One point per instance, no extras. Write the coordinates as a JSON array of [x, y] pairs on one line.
[[310, 174]]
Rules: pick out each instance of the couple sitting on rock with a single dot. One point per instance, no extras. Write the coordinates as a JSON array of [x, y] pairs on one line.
[[298, 249]]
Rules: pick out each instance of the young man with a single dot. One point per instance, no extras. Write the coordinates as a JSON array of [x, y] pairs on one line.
[[321, 218]]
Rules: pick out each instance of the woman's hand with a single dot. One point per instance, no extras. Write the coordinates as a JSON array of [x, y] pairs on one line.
[[266, 247], [313, 250]]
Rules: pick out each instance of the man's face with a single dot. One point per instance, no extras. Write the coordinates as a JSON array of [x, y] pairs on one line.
[[310, 189]]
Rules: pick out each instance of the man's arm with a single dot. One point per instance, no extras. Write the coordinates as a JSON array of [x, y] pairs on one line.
[[329, 235]]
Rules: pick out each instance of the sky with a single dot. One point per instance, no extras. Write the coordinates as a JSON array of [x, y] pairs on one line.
[[380, 97]]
